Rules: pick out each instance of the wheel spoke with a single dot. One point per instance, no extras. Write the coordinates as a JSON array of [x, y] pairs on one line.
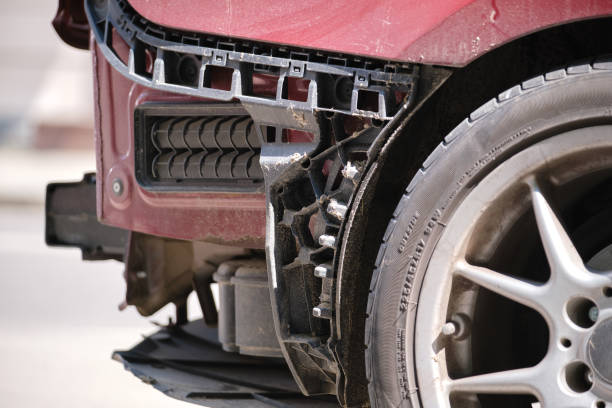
[[560, 251], [521, 291], [522, 380]]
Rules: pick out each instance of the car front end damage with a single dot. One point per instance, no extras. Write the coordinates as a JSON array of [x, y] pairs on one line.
[[210, 150], [268, 169]]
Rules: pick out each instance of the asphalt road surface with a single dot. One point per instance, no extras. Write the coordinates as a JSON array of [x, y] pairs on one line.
[[59, 323]]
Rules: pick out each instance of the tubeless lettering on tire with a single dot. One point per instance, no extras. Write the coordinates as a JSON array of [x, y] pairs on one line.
[[402, 369]]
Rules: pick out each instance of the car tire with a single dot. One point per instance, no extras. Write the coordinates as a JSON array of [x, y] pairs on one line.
[[537, 109]]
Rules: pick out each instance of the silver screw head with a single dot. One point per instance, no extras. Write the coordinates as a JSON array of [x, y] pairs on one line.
[[322, 271], [117, 187], [350, 171], [336, 209], [328, 241], [321, 312]]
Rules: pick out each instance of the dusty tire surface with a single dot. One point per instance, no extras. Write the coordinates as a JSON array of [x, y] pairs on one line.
[[539, 108]]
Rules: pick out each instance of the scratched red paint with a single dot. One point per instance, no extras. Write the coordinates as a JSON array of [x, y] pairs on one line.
[[446, 32]]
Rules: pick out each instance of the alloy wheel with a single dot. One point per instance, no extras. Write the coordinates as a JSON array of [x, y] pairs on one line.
[[486, 252]]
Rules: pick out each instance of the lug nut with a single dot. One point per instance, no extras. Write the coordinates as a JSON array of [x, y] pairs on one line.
[[323, 271], [336, 209], [328, 241]]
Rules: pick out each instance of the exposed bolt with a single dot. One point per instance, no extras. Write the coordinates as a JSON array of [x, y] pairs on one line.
[[350, 171], [322, 312], [327, 241], [593, 313], [450, 328], [117, 187], [337, 209], [323, 271], [141, 275]]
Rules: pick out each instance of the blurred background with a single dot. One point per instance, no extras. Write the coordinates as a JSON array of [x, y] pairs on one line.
[[59, 320]]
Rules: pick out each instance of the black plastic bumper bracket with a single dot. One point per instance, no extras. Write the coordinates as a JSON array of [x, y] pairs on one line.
[[71, 220]]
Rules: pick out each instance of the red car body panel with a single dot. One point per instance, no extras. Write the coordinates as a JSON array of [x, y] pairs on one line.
[[226, 218], [445, 32]]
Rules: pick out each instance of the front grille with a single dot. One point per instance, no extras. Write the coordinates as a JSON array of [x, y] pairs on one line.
[[196, 147]]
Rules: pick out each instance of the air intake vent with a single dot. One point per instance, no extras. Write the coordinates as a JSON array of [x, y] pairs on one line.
[[196, 147]]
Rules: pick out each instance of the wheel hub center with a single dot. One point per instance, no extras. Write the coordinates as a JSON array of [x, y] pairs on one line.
[[600, 350]]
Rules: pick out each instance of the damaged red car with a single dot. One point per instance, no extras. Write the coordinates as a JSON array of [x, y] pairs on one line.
[[400, 203]]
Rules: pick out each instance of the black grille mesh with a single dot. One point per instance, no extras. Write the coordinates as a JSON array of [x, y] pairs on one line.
[[207, 148], [187, 151]]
